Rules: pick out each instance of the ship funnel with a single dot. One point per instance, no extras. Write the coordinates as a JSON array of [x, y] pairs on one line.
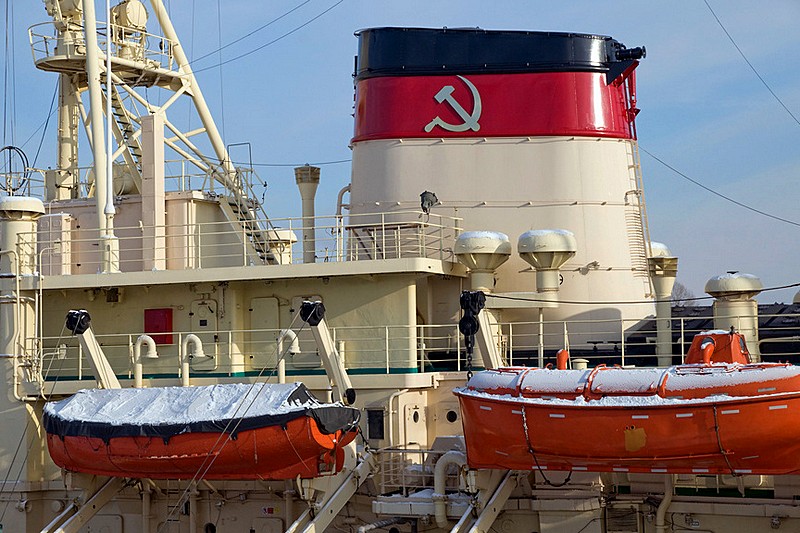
[[734, 306], [546, 251], [307, 178], [482, 252], [663, 268]]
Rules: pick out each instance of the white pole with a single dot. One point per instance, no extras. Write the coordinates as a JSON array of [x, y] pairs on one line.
[[109, 210], [96, 113], [110, 243]]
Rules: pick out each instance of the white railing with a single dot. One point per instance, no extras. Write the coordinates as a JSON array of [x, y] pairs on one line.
[[388, 349], [227, 243], [48, 42]]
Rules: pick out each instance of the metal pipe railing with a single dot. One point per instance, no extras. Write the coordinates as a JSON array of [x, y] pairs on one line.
[[385, 348]]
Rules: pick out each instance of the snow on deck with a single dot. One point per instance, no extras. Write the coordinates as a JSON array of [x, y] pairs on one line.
[[178, 405]]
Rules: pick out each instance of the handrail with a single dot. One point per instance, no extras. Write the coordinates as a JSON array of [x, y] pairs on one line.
[[220, 244], [374, 349]]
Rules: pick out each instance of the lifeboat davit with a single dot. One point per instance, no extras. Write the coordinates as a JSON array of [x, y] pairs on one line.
[[717, 414], [229, 431]]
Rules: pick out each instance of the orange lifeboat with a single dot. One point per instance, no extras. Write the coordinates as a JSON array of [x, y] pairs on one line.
[[717, 414], [232, 431]]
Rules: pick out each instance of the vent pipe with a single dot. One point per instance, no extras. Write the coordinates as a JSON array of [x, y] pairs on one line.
[[663, 268], [546, 250], [307, 178], [482, 252], [734, 306]]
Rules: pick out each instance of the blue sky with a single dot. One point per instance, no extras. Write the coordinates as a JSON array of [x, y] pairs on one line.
[[704, 111]]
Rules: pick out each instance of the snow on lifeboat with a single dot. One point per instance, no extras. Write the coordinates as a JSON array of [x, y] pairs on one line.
[[226, 431], [717, 414]]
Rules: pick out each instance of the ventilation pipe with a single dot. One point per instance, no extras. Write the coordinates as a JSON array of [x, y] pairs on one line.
[[663, 267], [663, 507], [547, 250], [439, 484], [482, 252], [294, 349], [197, 351], [734, 306], [137, 358], [307, 178]]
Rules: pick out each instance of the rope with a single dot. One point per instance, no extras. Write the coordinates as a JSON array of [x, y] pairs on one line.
[[719, 443], [214, 452], [536, 459]]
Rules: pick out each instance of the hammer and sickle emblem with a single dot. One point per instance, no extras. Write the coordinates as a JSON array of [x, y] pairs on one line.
[[445, 94]]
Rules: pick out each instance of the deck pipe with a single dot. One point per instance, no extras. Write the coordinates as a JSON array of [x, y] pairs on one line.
[[294, 348], [146, 504], [197, 352], [307, 178], [288, 501], [389, 413], [661, 512], [137, 357], [439, 489], [735, 306], [663, 269]]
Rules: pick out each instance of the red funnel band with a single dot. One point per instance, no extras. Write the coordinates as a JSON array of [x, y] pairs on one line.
[[492, 105]]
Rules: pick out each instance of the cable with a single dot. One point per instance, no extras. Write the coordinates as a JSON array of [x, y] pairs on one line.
[[252, 32], [712, 191], [749, 64], [6, 69], [298, 28], [630, 302], [318, 164], [46, 123], [221, 63], [235, 421]]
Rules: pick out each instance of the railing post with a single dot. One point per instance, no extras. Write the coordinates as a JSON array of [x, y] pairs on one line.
[[339, 239], [683, 341], [383, 236], [180, 356], [511, 344], [386, 346], [541, 338], [244, 244]]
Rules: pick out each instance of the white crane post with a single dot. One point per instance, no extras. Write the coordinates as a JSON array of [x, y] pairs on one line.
[[313, 313], [79, 323]]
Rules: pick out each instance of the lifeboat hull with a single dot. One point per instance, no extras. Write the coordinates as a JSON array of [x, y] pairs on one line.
[[179, 433], [270, 453], [716, 434]]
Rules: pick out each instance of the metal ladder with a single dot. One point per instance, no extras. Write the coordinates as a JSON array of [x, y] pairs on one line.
[[636, 217]]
